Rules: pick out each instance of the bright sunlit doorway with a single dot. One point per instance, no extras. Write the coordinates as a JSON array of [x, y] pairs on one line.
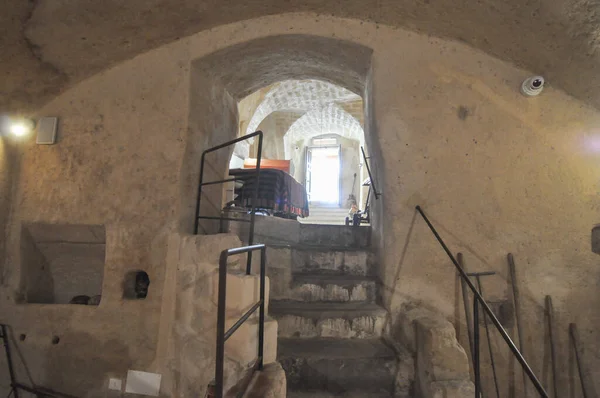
[[323, 175]]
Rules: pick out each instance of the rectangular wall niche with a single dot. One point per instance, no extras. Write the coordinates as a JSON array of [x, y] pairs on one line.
[[59, 262]]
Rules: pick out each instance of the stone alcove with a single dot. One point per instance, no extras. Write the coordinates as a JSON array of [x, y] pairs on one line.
[[62, 261]]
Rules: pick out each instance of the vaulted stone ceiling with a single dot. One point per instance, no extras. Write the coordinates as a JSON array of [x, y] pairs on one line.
[[299, 96], [329, 119], [49, 45]]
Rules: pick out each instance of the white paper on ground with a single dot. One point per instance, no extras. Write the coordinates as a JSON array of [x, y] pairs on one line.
[[144, 383]]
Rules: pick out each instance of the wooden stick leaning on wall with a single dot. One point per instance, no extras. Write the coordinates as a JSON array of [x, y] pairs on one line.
[[587, 382], [552, 334], [478, 276], [466, 301], [519, 325]]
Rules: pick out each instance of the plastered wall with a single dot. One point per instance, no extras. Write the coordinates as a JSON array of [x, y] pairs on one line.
[[447, 128], [110, 166], [8, 164]]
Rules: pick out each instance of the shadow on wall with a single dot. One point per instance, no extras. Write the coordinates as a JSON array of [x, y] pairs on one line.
[[59, 367], [63, 365]]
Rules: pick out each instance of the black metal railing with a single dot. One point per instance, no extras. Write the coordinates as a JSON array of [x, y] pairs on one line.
[[201, 184], [223, 335], [373, 186], [477, 302]]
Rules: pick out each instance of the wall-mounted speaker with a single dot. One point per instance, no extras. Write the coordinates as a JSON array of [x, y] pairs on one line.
[[46, 131]]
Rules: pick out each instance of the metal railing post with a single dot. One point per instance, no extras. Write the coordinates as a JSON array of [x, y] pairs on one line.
[[199, 197], [377, 194], [222, 335], [201, 183], [220, 360], [476, 365], [254, 200], [11, 370], [466, 300], [261, 314]]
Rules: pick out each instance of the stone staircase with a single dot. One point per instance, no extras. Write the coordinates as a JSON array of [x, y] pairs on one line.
[[326, 216], [324, 297], [333, 337]]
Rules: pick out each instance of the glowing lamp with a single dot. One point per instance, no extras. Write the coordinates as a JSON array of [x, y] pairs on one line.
[[21, 127]]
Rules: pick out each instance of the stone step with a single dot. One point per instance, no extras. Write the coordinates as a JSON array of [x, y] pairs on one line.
[[323, 221], [332, 288], [317, 319], [274, 230], [338, 367], [326, 216], [325, 394], [332, 260], [335, 235]]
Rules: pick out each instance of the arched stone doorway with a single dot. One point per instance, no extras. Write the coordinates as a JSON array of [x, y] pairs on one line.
[[219, 80]]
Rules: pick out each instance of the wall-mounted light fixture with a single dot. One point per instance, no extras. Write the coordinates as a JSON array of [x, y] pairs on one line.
[[21, 127], [16, 126]]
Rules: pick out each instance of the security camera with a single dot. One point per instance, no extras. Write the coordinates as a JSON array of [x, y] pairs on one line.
[[532, 86]]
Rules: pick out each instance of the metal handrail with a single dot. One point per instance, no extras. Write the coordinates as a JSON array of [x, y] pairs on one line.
[[365, 157], [201, 184], [223, 335], [479, 300]]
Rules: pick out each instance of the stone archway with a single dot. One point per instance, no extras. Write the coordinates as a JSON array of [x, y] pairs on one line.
[[328, 119], [222, 78]]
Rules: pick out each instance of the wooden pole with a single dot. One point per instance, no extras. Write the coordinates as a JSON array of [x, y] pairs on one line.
[[466, 302], [587, 382], [517, 300], [551, 332]]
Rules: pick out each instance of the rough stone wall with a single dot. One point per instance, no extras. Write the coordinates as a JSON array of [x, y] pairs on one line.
[[190, 322], [60, 43], [275, 125], [8, 165], [37, 281], [350, 166], [298, 159], [495, 171], [213, 120], [492, 182], [116, 163], [441, 367], [356, 109], [76, 269], [186, 350], [272, 139]]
